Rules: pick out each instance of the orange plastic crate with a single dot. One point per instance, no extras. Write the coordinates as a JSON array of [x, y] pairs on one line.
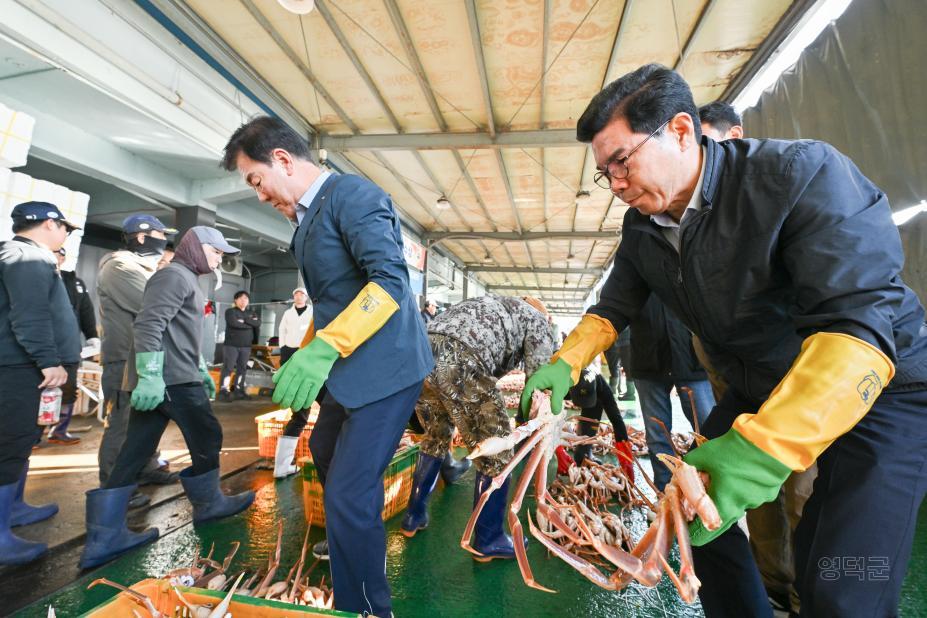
[[270, 427], [397, 486]]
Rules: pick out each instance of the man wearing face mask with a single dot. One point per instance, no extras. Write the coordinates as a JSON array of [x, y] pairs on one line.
[[120, 286], [169, 382]]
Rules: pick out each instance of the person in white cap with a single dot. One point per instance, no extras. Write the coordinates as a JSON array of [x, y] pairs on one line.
[[294, 324], [293, 327]]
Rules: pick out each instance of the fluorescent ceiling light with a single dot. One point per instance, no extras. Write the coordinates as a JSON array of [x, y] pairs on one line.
[[786, 55], [299, 7], [900, 217]]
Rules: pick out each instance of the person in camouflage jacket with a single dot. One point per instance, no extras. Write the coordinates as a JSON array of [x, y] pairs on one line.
[[475, 343]]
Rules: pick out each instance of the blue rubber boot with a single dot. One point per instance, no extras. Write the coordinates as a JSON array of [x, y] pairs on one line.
[[107, 535], [452, 469], [23, 514], [491, 539], [207, 498], [423, 483], [14, 550]]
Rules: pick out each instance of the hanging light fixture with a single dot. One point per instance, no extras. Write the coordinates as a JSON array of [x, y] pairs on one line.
[[442, 203], [300, 7], [583, 198], [487, 258]]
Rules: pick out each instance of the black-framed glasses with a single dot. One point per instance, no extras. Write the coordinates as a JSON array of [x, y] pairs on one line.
[[617, 168]]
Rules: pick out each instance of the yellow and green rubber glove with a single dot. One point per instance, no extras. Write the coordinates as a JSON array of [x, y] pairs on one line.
[[149, 392], [830, 387], [554, 376], [208, 383], [591, 336], [301, 378]]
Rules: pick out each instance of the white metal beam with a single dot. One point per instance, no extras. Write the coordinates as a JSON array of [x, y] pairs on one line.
[[451, 141], [69, 147], [479, 268], [221, 190]]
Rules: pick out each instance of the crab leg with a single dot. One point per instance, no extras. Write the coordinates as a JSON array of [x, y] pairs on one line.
[[493, 486], [535, 468], [221, 610], [652, 571], [272, 563], [136, 595], [686, 583], [623, 560], [549, 512], [302, 561], [585, 568], [689, 482], [497, 444]]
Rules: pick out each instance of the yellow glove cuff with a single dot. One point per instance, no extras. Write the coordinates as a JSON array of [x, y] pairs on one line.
[[592, 335], [366, 314], [832, 384], [310, 334]]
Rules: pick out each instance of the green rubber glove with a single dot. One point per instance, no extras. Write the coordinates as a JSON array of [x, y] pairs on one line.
[[149, 392], [555, 376], [742, 477], [301, 378], [208, 383]]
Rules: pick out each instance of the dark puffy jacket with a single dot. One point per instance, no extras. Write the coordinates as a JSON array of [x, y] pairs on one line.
[[37, 324], [241, 327], [661, 346], [80, 300], [791, 240]]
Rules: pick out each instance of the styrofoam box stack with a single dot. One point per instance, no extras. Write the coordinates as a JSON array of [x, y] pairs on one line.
[[16, 188], [15, 136]]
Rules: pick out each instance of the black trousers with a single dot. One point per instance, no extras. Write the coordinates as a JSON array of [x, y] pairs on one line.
[[604, 402], [300, 418], [332, 416], [19, 410], [186, 405], [285, 353], [236, 359], [854, 539]]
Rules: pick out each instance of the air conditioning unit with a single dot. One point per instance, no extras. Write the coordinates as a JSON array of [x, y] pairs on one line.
[[231, 265]]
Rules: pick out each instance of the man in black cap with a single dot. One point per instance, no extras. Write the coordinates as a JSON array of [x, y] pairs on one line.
[[39, 347], [169, 382], [120, 287]]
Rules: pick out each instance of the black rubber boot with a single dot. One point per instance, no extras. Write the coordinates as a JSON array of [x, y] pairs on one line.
[[22, 513], [14, 550], [423, 483], [491, 539], [207, 498], [107, 535], [452, 469]]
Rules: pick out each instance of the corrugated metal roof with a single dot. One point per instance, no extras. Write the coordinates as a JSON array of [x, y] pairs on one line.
[[412, 73]]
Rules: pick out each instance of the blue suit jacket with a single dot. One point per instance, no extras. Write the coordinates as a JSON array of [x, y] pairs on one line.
[[350, 236]]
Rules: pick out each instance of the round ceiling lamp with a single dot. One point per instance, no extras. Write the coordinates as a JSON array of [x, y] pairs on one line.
[[300, 7], [583, 198], [442, 203]]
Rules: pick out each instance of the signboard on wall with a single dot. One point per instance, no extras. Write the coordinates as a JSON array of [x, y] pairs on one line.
[[413, 252], [415, 281]]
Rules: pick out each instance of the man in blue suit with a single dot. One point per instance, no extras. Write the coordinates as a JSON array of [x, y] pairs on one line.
[[369, 346]]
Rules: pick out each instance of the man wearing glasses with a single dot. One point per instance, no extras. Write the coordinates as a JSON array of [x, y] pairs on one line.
[[39, 348], [783, 259]]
